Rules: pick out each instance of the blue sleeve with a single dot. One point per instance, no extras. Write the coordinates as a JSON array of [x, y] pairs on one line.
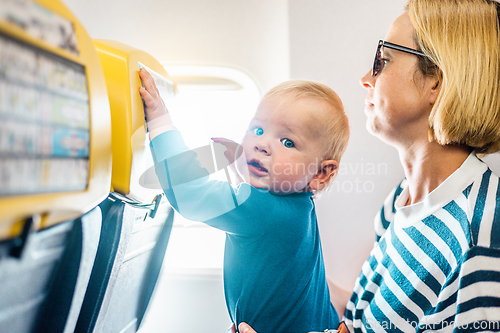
[[241, 211]]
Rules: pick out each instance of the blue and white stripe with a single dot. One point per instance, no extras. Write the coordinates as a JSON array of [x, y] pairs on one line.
[[438, 273]]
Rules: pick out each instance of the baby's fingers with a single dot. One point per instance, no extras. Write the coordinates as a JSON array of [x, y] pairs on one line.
[[149, 82], [154, 106], [231, 148], [147, 98]]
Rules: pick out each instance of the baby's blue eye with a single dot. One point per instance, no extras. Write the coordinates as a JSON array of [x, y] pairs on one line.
[[258, 131], [287, 143]]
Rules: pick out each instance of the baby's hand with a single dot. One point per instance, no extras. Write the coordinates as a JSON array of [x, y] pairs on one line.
[[232, 153], [231, 149], [154, 105]]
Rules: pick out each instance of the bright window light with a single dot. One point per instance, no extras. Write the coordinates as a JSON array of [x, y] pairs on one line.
[[211, 102]]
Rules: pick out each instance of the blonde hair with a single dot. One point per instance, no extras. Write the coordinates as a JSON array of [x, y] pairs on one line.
[[334, 130], [461, 38]]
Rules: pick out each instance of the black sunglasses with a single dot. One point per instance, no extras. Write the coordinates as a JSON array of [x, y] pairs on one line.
[[378, 64]]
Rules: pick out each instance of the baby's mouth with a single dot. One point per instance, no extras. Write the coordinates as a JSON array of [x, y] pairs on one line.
[[256, 167]]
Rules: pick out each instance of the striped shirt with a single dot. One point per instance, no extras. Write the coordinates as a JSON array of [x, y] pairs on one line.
[[435, 265]]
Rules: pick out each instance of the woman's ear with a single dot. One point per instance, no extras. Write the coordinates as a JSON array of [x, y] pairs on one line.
[[328, 169], [436, 87]]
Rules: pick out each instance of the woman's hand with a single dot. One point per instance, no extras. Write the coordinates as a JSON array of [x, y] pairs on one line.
[[243, 328]]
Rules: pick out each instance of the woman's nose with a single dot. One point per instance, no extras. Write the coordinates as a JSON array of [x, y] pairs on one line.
[[367, 81]]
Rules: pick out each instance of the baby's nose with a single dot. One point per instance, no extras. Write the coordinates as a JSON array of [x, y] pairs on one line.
[[263, 148]]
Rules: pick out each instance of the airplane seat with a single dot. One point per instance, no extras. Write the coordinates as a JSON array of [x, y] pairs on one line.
[[137, 219], [65, 297], [43, 289], [55, 165]]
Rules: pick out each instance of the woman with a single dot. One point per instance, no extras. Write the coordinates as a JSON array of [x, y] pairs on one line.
[[434, 94]]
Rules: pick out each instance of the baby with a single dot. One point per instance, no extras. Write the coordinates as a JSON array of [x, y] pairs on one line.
[[274, 275]]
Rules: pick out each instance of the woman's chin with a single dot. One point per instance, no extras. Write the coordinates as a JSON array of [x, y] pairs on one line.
[[370, 127]]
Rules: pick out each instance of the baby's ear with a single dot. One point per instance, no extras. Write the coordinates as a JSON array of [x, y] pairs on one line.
[[328, 169]]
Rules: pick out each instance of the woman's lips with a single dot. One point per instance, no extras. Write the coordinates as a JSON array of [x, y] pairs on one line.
[[368, 106], [256, 168]]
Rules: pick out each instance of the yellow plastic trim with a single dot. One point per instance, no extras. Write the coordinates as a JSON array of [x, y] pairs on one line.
[[131, 153]]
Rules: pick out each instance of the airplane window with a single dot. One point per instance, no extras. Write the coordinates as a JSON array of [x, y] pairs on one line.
[[210, 102]]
